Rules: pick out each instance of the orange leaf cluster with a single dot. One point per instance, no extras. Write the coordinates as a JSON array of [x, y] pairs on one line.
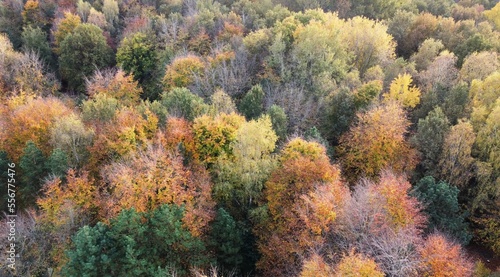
[[30, 121], [442, 258], [303, 196], [157, 176]]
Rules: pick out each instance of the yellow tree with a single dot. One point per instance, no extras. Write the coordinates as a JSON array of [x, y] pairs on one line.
[[484, 95], [316, 266], [214, 136], [369, 42], [63, 201], [357, 265], [241, 176], [494, 15], [376, 141], [402, 91], [456, 162], [182, 70]]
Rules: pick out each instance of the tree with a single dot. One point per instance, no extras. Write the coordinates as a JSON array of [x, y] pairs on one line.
[[441, 205], [403, 92], [430, 138], [125, 246], [252, 104], [456, 161], [35, 40], [338, 113], [220, 102], [479, 66], [279, 121], [487, 202], [115, 84], [300, 203], [369, 43], [427, 52], [181, 102], [100, 107], [240, 177], [92, 255], [226, 237], [111, 11], [493, 15], [442, 258], [82, 52], [57, 163], [70, 135], [368, 93], [64, 27], [33, 15], [181, 72], [381, 221], [315, 266], [83, 9], [70, 203], [441, 72], [484, 95], [213, 137], [32, 165], [376, 141], [357, 265], [137, 56], [31, 121], [375, 9], [319, 54], [158, 176]]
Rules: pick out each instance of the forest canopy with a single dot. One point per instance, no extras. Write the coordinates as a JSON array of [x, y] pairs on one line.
[[250, 137]]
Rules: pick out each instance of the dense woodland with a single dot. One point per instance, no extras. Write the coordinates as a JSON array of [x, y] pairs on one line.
[[251, 137]]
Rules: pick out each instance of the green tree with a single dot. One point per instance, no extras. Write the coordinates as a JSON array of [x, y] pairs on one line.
[[94, 253], [279, 121], [181, 102], [338, 113], [429, 139], [35, 39], [101, 107], [82, 52], [32, 166], [226, 237], [137, 55], [441, 205], [137, 244], [378, 9], [57, 163], [252, 104]]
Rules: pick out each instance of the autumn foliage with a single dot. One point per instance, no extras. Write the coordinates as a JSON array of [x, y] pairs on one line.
[[302, 199], [442, 258], [377, 141]]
